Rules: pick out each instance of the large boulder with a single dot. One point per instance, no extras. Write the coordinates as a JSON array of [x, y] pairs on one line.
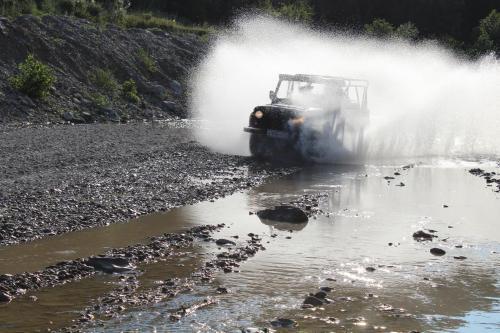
[[284, 213]]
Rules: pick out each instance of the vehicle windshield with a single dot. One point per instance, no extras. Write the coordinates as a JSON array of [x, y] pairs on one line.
[[318, 94]]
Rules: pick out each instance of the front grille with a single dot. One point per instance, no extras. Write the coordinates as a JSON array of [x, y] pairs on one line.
[[274, 118]]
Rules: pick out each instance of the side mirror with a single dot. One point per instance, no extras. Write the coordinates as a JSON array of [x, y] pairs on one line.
[[272, 95]]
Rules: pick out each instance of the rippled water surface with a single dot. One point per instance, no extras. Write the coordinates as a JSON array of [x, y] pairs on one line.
[[410, 289], [369, 224]]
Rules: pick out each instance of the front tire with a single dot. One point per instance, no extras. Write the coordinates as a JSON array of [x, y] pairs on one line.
[[259, 146]]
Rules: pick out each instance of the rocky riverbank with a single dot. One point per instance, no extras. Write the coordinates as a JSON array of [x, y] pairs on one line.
[[64, 178]]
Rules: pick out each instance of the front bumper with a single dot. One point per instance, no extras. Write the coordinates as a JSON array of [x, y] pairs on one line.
[[254, 130]]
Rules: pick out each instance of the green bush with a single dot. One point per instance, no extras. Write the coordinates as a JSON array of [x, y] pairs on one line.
[[34, 79], [379, 28], [129, 91], [147, 61], [100, 100], [104, 80]]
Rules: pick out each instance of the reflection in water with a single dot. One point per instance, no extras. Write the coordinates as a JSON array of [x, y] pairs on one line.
[[283, 226]]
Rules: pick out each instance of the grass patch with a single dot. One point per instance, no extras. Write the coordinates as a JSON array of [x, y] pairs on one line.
[[104, 80], [147, 61], [148, 20]]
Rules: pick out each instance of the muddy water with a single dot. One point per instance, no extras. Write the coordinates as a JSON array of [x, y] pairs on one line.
[[367, 213]]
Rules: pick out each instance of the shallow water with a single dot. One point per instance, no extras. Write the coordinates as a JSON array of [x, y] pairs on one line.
[[437, 293], [366, 214]]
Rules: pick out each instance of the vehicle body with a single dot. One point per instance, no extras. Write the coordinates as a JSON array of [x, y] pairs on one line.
[[310, 116]]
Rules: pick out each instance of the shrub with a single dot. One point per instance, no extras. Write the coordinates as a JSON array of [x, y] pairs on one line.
[[295, 11], [14, 8], [115, 9], [100, 100], [379, 28], [407, 31], [94, 9], [146, 59], [66, 7], [105, 80], [489, 33], [129, 91], [34, 79]]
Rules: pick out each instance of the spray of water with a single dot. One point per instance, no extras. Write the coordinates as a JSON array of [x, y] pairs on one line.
[[423, 100]]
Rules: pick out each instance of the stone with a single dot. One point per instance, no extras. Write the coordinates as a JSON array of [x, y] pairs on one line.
[[5, 297], [437, 252], [423, 236], [284, 213], [110, 264], [176, 87], [314, 301], [284, 323], [223, 241]]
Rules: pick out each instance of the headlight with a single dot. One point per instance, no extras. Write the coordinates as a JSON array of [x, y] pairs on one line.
[[258, 114]]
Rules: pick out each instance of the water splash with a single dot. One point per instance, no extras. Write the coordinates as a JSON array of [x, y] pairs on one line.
[[423, 100]]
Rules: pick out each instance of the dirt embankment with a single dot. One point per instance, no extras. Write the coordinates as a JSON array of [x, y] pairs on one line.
[[158, 61]]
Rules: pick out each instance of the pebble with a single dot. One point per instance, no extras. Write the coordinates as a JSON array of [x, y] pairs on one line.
[[314, 301], [437, 251]]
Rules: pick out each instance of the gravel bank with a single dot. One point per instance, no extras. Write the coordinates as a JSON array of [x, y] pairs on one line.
[[64, 178]]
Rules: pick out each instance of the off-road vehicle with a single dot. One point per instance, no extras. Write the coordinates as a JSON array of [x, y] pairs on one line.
[[310, 116]]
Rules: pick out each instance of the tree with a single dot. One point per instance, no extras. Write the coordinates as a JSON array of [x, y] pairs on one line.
[[489, 33], [379, 28]]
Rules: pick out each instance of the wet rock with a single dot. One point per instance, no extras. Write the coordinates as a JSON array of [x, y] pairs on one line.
[[5, 297], [255, 330], [222, 242], [312, 300], [284, 323], [284, 213], [460, 257], [326, 289], [222, 290], [320, 295], [437, 251], [110, 264], [370, 269], [423, 236]]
